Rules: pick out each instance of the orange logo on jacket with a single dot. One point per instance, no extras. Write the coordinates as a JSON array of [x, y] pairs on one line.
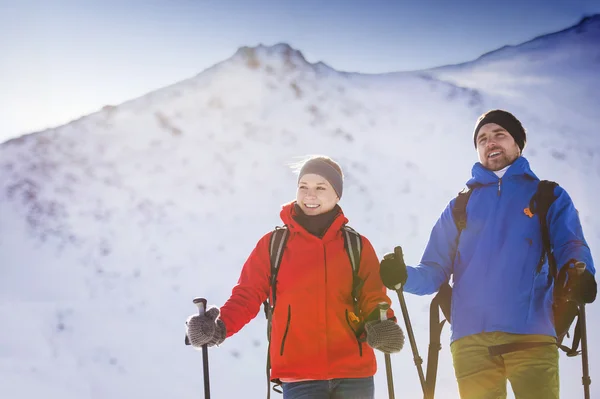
[[527, 211]]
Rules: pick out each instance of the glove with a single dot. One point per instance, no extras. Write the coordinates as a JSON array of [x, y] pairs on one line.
[[588, 288], [393, 271], [384, 335], [577, 283], [206, 329]]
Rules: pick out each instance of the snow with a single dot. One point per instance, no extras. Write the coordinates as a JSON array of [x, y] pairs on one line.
[[110, 225]]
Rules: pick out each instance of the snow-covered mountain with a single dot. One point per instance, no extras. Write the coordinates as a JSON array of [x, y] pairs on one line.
[[111, 224], [562, 66]]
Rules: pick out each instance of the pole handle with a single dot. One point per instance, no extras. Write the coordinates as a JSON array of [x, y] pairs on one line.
[[201, 304], [383, 308], [398, 254], [579, 267]]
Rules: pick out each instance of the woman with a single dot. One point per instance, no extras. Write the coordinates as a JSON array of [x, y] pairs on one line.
[[317, 336]]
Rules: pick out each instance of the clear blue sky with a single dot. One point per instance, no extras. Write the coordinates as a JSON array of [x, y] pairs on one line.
[[65, 58]]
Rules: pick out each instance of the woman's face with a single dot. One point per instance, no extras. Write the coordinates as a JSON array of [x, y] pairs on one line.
[[315, 195]]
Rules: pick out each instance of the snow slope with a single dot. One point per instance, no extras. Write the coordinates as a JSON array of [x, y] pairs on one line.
[[111, 224]]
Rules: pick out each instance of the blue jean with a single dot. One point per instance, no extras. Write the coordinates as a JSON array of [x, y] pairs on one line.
[[338, 388]]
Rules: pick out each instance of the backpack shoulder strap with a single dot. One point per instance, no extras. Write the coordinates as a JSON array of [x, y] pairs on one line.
[[277, 244], [539, 204], [353, 245], [459, 210]]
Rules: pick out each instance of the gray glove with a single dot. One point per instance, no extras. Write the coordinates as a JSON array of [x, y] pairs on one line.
[[206, 329], [384, 335]]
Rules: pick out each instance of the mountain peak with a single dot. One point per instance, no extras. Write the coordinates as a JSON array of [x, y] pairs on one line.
[[590, 23], [589, 19], [280, 53], [253, 55]]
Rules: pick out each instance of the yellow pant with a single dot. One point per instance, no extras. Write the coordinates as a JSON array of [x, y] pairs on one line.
[[533, 372]]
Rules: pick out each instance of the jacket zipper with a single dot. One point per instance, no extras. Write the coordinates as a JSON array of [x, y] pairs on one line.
[[325, 262], [287, 327], [484, 320]]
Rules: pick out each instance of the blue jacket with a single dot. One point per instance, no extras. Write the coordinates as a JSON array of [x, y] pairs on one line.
[[496, 286]]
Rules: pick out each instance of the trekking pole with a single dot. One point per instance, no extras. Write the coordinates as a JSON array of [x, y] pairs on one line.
[[411, 337], [201, 303], [383, 308], [579, 269], [586, 380]]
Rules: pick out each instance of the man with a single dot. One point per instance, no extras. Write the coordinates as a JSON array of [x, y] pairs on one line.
[[502, 294]]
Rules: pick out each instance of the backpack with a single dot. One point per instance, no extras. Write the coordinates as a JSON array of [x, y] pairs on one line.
[[278, 241], [564, 312]]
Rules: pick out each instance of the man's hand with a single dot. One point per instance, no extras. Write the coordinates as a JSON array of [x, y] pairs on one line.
[[576, 283], [393, 271]]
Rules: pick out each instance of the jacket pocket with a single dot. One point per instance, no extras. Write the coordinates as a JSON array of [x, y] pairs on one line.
[[540, 301], [287, 328], [358, 332]]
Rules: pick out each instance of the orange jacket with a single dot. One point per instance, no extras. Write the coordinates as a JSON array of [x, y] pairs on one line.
[[311, 337]]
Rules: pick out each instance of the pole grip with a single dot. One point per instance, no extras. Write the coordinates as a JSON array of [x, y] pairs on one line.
[[201, 304], [398, 254], [383, 309], [580, 267]]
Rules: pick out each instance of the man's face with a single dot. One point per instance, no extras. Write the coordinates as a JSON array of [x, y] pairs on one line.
[[496, 147]]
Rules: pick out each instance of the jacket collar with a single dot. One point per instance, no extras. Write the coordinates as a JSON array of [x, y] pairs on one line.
[[483, 176], [287, 216]]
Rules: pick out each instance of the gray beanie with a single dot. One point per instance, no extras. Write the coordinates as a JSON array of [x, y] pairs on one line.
[[320, 166]]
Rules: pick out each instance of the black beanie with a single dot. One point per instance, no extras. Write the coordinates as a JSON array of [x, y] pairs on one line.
[[507, 121]]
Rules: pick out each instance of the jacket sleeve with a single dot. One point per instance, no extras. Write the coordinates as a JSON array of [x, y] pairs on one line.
[[435, 267], [373, 291], [566, 234], [251, 290]]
